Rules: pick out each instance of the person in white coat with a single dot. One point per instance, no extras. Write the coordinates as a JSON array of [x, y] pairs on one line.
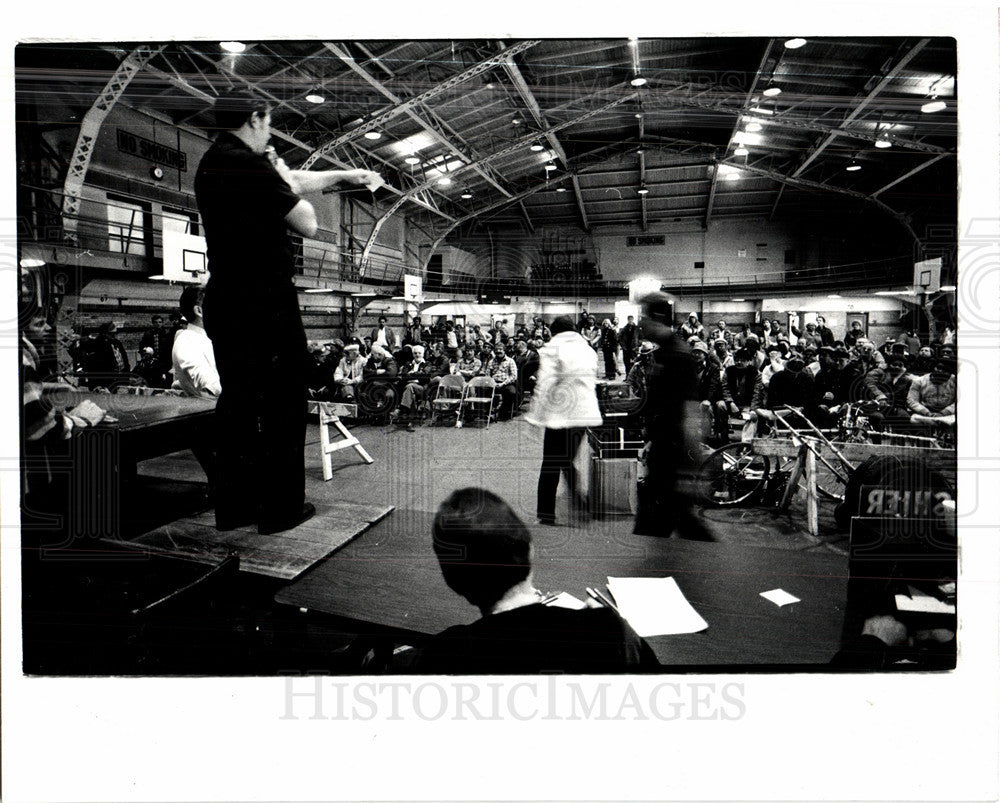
[[564, 403]]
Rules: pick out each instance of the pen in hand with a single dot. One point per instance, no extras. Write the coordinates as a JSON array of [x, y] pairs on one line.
[[597, 595]]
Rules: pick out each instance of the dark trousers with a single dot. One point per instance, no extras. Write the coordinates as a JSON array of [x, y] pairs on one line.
[[260, 351], [610, 364], [628, 357], [664, 498], [505, 401], [559, 448]]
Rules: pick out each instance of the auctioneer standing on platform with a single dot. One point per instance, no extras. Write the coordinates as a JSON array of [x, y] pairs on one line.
[[249, 200]]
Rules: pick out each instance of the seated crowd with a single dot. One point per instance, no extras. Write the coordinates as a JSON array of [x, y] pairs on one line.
[[751, 374]]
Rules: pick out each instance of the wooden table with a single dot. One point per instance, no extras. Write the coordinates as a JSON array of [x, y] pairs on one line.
[[103, 458], [387, 583]]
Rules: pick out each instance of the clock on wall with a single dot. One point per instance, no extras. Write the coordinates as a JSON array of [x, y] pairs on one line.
[[156, 173]]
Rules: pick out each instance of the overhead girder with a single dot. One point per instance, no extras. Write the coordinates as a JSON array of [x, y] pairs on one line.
[[736, 126], [90, 129], [862, 104], [403, 107], [515, 146]]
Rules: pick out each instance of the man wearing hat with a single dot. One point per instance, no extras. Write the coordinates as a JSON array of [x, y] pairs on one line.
[[712, 393], [672, 412], [349, 372], [636, 378]]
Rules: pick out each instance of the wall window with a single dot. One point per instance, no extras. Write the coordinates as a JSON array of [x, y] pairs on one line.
[[179, 220], [129, 225]]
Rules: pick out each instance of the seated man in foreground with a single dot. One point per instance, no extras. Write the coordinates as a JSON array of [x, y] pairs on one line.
[[484, 551]]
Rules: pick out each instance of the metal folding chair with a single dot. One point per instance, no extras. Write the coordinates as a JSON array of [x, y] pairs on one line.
[[448, 399], [479, 393]]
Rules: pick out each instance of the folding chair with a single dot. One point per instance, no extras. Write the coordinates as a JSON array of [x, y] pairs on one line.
[[449, 396], [479, 393]]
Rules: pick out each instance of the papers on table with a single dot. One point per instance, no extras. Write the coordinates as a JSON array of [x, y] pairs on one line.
[[655, 606], [779, 597], [919, 602]]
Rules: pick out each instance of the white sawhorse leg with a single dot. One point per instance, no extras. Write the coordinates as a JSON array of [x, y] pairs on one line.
[[329, 413]]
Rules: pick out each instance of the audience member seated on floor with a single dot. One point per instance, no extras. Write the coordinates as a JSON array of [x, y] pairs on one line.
[[439, 364], [350, 373], [503, 370], [416, 373], [469, 366], [931, 398], [484, 551], [192, 356]]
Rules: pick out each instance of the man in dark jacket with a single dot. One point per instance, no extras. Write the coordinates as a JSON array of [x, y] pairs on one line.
[[609, 348], [628, 338]]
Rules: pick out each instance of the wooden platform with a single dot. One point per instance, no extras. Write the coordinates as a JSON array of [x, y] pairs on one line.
[[284, 556]]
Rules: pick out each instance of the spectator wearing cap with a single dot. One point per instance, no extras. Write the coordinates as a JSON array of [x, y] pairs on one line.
[[809, 336], [853, 334], [149, 369], [775, 363], [383, 335], [931, 398], [759, 356], [720, 355], [349, 373], [811, 356], [742, 379], [692, 328], [889, 387], [712, 392]]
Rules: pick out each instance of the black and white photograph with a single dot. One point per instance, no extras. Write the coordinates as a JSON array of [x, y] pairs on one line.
[[359, 368]]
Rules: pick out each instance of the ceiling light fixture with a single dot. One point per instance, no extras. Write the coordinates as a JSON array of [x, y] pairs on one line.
[[883, 141], [948, 288], [516, 121], [536, 147], [772, 91], [549, 167], [466, 195], [560, 189], [643, 190], [444, 181], [741, 151], [853, 167], [759, 110], [754, 127], [933, 106], [795, 44], [373, 135], [29, 262], [638, 81], [233, 47], [314, 97], [412, 160]]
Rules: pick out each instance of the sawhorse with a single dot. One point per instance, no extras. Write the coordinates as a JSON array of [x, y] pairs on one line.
[[330, 413]]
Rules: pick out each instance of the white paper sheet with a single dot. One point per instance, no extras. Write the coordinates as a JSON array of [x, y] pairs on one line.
[[919, 602], [779, 597], [655, 606], [566, 600]]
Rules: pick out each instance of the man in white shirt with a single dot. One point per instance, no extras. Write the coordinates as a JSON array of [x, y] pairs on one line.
[[192, 355], [349, 372], [195, 374]]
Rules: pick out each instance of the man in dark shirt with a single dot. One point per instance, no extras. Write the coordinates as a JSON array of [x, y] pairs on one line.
[[484, 551], [248, 200], [628, 337], [161, 341]]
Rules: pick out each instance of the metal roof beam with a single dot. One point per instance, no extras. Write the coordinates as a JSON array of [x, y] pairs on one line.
[[905, 176], [401, 106], [736, 126], [863, 104]]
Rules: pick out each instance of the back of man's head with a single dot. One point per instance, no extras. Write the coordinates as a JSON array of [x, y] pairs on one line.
[[235, 108], [562, 324], [483, 548], [192, 296]]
